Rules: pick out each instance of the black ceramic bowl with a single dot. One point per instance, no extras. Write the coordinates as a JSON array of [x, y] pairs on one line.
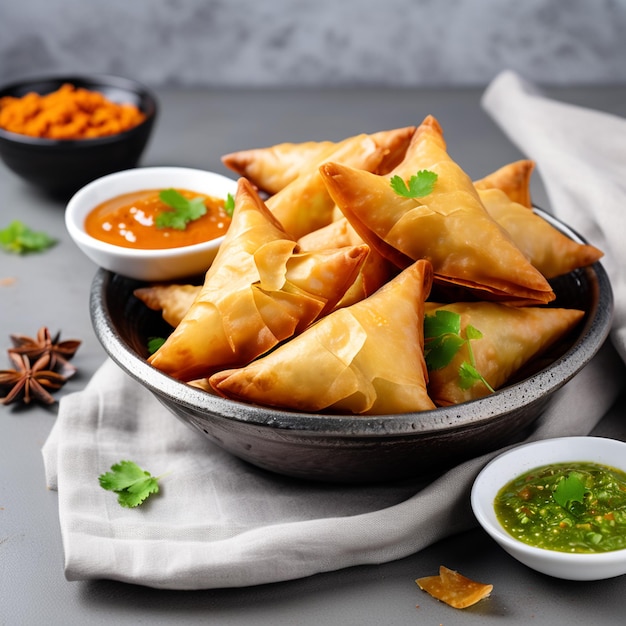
[[347, 448], [64, 166]]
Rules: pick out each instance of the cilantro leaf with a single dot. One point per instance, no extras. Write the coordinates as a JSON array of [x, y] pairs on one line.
[[154, 343], [468, 375], [132, 484], [440, 323], [570, 492], [420, 184], [184, 210], [229, 205], [472, 333], [443, 339], [20, 239], [441, 351]]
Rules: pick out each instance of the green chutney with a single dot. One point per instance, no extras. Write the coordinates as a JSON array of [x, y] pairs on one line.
[[594, 521]]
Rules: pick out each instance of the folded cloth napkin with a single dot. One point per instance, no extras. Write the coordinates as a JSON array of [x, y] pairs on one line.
[[220, 522], [580, 155]]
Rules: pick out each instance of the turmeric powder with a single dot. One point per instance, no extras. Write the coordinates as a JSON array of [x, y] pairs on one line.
[[67, 113]]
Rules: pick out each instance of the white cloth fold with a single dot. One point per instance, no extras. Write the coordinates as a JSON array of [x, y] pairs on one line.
[[220, 522]]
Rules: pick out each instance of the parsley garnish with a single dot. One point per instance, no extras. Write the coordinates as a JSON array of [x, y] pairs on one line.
[[154, 343], [20, 239], [420, 184], [132, 484], [443, 339], [229, 205], [185, 210], [570, 493]]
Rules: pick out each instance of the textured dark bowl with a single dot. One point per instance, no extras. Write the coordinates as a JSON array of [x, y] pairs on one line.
[[61, 167], [347, 448]]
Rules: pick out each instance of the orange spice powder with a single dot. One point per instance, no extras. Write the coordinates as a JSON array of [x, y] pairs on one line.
[[67, 113]]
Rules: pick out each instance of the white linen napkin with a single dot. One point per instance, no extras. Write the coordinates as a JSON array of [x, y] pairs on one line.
[[220, 522]]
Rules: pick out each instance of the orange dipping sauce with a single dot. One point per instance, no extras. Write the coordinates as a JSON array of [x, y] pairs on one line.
[[128, 220]]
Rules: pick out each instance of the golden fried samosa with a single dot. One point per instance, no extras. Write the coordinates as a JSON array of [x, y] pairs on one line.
[[172, 300], [363, 359], [547, 248], [258, 292], [511, 337], [304, 205], [450, 227], [513, 179], [375, 271], [334, 235], [394, 144], [274, 167]]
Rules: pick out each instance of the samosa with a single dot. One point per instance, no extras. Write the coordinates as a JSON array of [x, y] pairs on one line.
[[273, 167], [507, 339], [173, 300], [449, 226], [547, 248], [258, 292], [304, 205], [375, 271], [513, 179], [363, 359]]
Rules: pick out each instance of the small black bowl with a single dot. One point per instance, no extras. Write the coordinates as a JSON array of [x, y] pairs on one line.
[[61, 167], [348, 448]]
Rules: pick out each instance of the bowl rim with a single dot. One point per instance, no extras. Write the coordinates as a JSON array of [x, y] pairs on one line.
[[481, 496], [84, 80], [481, 411], [80, 236]]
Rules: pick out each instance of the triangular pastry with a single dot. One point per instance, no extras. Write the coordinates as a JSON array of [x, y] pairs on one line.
[[449, 227], [304, 205], [258, 292], [511, 338], [171, 299], [375, 271], [548, 249], [513, 179], [363, 359], [274, 167]]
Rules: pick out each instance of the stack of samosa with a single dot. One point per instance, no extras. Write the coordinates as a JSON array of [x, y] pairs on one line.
[[316, 301]]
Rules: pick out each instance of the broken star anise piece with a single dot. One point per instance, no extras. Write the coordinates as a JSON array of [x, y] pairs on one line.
[[28, 383], [60, 351]]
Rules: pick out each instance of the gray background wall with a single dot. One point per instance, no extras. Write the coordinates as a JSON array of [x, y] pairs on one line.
[[316, 42]]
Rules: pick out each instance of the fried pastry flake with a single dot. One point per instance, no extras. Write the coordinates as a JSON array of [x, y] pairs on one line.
[[454, 589], [547, 248], [258, 292], [511, 337], [450, 227], [363, 359]]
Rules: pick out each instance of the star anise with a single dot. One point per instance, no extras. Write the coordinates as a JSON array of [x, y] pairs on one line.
[[60, 351], [28, 382]]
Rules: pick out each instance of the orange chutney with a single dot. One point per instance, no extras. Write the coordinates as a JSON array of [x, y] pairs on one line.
[[128, 220]]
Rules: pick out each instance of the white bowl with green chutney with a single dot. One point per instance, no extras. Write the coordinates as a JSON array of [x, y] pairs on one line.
[[558, 506]]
